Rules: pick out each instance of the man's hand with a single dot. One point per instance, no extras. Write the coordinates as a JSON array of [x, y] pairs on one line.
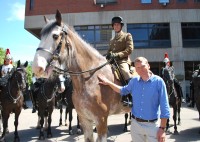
[[111, 56], [103, 79]]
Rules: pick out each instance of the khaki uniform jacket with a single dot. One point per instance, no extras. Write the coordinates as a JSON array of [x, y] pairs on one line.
[[122, 44]]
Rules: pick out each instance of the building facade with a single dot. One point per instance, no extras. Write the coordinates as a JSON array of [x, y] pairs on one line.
[[157, 27]]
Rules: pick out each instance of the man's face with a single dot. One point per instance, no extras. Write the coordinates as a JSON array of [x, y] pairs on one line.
[[142, 68], [117, 27], [7, 61]]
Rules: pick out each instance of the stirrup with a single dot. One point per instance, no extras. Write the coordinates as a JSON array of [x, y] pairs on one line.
[[129, 104]]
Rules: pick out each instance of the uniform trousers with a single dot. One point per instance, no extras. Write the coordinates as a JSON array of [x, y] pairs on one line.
[[144, 131], [125, 70]]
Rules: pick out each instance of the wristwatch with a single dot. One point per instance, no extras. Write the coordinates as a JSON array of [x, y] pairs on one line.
[[163, 128]]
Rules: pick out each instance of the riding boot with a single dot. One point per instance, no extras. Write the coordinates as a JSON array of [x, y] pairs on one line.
[[127, 100]]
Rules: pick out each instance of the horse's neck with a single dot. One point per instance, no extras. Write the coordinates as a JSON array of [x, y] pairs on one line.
[[49, 86]]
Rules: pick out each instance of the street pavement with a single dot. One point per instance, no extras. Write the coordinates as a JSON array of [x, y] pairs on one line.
[[188, 130]]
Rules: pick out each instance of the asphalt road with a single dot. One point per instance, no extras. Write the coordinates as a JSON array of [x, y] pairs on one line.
[[188, 130]]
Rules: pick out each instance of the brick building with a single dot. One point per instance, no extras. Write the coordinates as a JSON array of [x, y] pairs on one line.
[[157, 26]]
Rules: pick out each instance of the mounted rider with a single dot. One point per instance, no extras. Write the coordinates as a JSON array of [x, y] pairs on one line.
[[171, 70], [120, 48], [5, 70]]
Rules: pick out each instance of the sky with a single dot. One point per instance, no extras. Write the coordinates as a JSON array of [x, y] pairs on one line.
[[21, 43]]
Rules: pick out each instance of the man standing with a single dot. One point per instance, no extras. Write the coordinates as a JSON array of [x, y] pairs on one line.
[[150, 103], [120, 48]]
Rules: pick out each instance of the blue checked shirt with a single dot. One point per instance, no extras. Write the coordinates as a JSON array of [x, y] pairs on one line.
[[150, 100]]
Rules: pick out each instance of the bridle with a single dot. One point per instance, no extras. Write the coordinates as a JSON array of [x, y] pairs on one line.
[[56, 56], [18, 86]]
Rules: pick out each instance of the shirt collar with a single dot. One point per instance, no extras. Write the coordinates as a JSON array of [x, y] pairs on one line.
[[149, 80]]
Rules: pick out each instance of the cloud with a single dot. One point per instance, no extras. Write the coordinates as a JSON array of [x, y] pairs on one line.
[[17, 12]]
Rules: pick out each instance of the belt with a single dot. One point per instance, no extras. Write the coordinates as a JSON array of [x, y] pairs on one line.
[[142, 120]]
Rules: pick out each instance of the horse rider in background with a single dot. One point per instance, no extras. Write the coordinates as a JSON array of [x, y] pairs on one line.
[[170, 68], [5, 70], [120, 48]]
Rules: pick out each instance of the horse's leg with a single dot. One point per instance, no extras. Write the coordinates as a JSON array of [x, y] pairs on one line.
[[49, 134], [79, 131], [167, 125], [102, 129], [61, 111], [125, 125], [175, 118], [5, 125], [129, 118], [41, 135], [66, 112], [16, 139], [87, 126], [70, 121], [179, 112], [38, 122]]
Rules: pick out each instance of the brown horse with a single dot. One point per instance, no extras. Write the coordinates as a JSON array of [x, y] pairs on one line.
[[92, 101], [174, 99], [11, 97]]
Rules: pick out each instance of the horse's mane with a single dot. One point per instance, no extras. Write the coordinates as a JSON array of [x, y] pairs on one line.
[[82, 43]]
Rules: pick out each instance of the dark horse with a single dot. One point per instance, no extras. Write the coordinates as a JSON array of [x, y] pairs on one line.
[[196, 88], [65, 98], [92, 101], [45, 98], [174, 99], [11, 97]]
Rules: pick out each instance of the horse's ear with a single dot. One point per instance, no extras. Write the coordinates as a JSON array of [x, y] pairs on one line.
[[58, 17], [26, 64], [46, 19], [18, 64]]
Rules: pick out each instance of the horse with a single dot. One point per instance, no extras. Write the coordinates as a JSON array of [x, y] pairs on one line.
[[196, 88], [65, 98], [174, 99], [11, 97], [46, 101], [60, 45]]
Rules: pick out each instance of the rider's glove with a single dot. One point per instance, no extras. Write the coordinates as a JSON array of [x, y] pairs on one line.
[[111, 56]]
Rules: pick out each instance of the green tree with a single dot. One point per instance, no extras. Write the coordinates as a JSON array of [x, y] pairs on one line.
[[2, 55]]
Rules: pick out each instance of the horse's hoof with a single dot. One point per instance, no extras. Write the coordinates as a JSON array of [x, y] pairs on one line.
[[17, 139], [125, 129], [179, 123], [37, 127], [79, 132], [71, 132], [49, 135], [176, 132], [2, 139], [41, 138], [129, 123], [7, 130]]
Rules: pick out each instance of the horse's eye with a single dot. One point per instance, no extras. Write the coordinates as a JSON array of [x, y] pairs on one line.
[[55, 37]]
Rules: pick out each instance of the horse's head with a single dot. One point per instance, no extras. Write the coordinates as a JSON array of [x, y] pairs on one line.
[[52, 40], [19, 75]]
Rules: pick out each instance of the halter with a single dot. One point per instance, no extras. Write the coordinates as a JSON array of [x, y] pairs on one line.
[[56, 56]]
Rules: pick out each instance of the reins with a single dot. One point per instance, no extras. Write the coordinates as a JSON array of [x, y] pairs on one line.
[[61, 71]]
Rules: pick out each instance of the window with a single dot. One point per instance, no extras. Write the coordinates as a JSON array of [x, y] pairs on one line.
[[191, 34], [181, 1], [98, 36], [196, 0], [145, 1], [163, 1], [31, 4], [150, 35], [105, 1]]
